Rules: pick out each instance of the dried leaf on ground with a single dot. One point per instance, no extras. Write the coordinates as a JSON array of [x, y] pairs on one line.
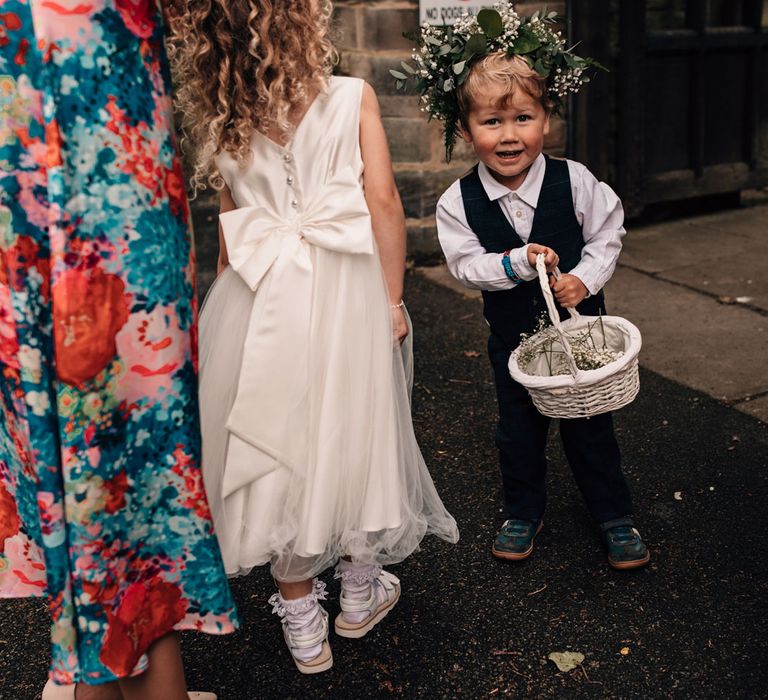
[[566, 660], [624, 651], [471, 353], [678, 495]]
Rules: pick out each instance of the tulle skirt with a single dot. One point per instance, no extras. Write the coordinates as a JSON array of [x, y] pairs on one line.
[[344, 475]]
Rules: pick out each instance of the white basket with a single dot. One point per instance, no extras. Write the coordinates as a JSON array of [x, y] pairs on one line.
[[582, 393]]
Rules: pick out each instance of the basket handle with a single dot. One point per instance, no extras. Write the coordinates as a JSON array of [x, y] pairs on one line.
[[552, 309]]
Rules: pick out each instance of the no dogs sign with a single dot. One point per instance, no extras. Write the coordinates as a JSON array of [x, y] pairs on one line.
[[448, 11]]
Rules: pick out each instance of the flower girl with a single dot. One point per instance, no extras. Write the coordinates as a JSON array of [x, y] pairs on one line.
[[309, 454]]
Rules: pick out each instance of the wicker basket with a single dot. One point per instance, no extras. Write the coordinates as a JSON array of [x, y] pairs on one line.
[[581, 393]]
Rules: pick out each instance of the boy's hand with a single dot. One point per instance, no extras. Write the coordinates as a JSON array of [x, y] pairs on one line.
[[569, 290], [551, 258]]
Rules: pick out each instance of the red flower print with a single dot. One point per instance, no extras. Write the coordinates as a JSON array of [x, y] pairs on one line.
[[138, 16], [149, 610], [88, 311], [9, 344], [116, 488], [53, 142], [9, 516], [9, 22], [174, 186], [194, 486]]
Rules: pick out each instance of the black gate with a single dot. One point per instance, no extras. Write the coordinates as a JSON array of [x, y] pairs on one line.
[[684, 111]]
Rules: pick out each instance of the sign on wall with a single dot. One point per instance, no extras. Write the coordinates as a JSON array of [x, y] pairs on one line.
[[448, 11]]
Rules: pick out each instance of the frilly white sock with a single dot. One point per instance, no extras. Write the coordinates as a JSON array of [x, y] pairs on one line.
[[358, 586], [304, 618]]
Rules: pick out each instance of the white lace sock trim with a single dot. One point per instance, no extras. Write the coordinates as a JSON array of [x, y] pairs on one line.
[[359, 587], [304, 621]]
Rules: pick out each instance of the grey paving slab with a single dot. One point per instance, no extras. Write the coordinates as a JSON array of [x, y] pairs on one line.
[[691, 338], [670, 246], [755, 407], [738, 276]]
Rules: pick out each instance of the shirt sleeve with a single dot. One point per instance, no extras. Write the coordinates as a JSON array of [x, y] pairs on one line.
[[467, 260], [601, 215]]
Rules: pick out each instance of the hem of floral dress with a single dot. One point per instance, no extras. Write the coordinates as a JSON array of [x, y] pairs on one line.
[[10, 595], [142, 666]]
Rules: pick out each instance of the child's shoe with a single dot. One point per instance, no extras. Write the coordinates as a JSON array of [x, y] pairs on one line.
[[626, 549], [368, 593], [515, 539], [305, 628]]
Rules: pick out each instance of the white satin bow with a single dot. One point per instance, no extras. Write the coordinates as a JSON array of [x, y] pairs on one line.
[[254, 235], [259, 241]]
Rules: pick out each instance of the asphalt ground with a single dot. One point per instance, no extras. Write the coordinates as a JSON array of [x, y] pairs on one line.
[[691, 624]]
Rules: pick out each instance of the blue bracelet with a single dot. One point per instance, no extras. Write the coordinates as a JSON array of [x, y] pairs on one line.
[[507, 265]]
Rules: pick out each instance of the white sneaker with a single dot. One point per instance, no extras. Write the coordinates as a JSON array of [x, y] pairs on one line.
[[305, 628], [368, 593]]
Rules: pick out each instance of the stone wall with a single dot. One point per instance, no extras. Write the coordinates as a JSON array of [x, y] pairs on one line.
[[370, 40]]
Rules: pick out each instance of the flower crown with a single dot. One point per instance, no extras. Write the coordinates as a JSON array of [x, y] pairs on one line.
[[445, 55]]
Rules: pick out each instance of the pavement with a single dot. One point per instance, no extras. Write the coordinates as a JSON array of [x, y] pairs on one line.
[[695, 448]]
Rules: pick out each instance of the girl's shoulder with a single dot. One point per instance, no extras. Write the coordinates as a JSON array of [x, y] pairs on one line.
[[346, 85]]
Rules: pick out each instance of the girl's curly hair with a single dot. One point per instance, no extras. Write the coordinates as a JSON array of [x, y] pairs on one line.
[[242, 66]]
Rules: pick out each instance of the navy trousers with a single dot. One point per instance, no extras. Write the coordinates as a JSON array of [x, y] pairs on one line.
[[521, 436]]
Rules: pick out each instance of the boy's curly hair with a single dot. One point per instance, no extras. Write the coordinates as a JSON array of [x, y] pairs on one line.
[[511, 73], [242, 66]]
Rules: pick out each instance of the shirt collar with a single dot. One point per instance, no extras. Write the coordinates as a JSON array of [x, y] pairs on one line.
[[529, 191]]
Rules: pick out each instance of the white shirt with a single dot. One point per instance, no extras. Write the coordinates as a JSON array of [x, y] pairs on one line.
[[598, 211]]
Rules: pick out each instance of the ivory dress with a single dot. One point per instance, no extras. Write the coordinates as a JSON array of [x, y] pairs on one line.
[[308, 445]]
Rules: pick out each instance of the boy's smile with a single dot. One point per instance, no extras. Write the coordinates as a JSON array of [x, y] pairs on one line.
[[507, 135]]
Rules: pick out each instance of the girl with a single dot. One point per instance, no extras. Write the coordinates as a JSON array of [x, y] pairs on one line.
[[309, 451]]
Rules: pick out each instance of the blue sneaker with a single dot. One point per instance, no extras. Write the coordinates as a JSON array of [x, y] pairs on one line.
[[626, 549], [515, 539]]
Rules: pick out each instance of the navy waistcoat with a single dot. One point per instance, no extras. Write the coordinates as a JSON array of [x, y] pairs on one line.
[[511, 312]]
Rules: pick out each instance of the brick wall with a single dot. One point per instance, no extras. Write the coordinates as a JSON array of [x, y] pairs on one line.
[[370, 42]]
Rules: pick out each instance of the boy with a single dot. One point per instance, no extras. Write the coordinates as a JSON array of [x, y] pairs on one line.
[[492, 223]]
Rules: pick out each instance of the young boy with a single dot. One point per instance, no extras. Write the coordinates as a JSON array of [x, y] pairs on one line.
[[492, 223]]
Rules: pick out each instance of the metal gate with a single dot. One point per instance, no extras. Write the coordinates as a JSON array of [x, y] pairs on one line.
[[684, 111]]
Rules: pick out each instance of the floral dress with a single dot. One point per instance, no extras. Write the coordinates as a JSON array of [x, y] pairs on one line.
[[102, 507]]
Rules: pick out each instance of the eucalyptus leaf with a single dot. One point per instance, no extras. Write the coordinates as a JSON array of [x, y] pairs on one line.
[[526, 41], [490, 22], [408, 68], [542, 69], [459, 67], [477, 43], [397, 74], [433, 41], [444, 50]]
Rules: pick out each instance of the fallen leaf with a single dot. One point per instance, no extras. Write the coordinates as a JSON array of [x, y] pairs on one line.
[[471, 353], [678, 495], [624, 651], [743, 300], [566, 660]]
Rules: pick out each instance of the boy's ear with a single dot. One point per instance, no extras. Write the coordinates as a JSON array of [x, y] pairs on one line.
[[464, 131]]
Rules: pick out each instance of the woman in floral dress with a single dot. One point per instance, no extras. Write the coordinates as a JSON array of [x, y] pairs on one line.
[[102, 507]]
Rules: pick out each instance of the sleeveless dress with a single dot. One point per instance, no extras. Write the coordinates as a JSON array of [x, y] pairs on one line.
[[308, 445], [102, 506]]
